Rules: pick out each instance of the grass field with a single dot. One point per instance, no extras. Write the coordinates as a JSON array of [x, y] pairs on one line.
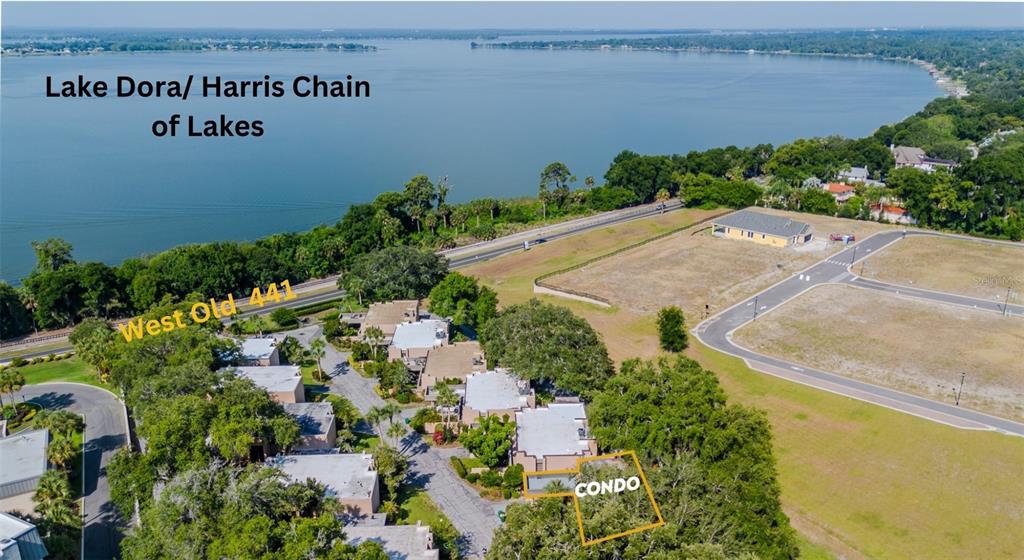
[[971, 268], [693, 270], [850, 331], [858, 480], [71, 370]]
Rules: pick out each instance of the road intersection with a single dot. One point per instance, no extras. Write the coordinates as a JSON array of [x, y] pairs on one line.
[[717, 330]]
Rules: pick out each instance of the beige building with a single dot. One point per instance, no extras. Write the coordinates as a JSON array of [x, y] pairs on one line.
[[317, 428], [260, 352], [552, 437], [766, 229], [22, 463], [283, 383], [495, 393], [388, 315], [451, 361], [351, 478], [400, 542]]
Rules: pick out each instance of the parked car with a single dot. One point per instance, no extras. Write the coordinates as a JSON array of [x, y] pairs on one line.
[[844, 237]]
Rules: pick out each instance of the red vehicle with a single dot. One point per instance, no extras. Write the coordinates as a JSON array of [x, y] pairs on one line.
[[844, 237]]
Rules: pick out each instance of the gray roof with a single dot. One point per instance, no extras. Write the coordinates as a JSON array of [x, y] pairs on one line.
[[855, 173], [907, 155], [763, 223], [496, 390], [274, 379], [400, 542], [429, 333], [23, 457], [344, 475], [558, 429], [19, 539], [314, 418]]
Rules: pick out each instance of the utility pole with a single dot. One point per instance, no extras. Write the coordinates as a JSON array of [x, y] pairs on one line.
[[961, 391], [755, 307], [1006, 305], [854, 258]]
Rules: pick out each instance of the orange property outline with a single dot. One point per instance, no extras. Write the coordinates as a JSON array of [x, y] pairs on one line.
[[576, 501]]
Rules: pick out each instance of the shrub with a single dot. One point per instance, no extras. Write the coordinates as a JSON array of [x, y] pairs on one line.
[[404, 397], [472, 477], [506, 493], [513, 477], [490, 479], [423, 416], [284, 317], [51, 358], [460, 469], [361, 351]]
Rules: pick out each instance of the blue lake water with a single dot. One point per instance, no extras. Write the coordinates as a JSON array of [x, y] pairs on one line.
[[90, 171]]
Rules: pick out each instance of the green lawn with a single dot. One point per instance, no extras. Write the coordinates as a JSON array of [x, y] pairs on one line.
[[71, 370], [416, 505], [471, 462], [365, 442]]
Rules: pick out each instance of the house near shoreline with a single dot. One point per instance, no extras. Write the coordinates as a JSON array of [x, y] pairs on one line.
[[495, 393], [282, 383], [351, 478], [260, 352], [317, 426], [400, 542], [23, 461], [909, 156], [451, 362], [552, 437], [20, 540], [765, 229]]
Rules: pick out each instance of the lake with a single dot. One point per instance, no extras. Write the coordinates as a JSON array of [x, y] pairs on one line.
[[90, 171]]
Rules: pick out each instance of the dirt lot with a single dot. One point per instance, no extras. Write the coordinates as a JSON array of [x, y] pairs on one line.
[[971, 268], [691, 270], [862, 480], [855, 332]]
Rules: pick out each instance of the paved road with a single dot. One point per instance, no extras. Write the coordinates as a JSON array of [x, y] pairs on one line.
[[458, 258], [474, 518], [105, 433], [716, 332]]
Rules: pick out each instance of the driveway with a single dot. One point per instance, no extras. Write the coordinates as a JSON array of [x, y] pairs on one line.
[[429, 467], [105, 433], [716, 332]]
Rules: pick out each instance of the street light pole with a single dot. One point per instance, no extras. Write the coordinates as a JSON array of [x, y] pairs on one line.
[[1006, 304], [961, 391], [755, 307], [854, 258]]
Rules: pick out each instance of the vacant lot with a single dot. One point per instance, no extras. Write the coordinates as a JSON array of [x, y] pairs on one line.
[[971, 268], [859, 479], [902, 343], [692, 270]]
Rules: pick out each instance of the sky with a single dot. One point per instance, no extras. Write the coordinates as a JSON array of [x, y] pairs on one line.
[[513, 15]]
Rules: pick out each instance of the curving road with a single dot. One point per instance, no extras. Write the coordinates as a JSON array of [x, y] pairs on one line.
[[716, 332], [105, 433]]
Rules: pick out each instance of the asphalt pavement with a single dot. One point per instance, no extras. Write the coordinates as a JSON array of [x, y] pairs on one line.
[[717, 330], [105, 433]]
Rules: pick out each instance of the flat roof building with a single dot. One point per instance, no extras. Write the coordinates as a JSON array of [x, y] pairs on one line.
[[283, 383], [317, 428], [349, 477], [495, 393], [414, 340], [22, 463], [766, 229], [400, 542], [451, 361], [552, 437], [19, 539], [260, 352]]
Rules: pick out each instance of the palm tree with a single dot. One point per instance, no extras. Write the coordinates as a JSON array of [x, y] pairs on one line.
[[61, 451], [446, 401], [53, 500], [11, 380], [318, 350], [375, 336]]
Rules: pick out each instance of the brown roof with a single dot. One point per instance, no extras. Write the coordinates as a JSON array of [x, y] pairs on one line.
[[454, 360], [388, 315], [839, 188]]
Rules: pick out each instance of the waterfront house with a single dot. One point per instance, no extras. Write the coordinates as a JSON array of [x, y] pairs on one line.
[[317, 428], [892, 214], [351, 478], [840, 191], [552, 437], [908, 156], [766, 229]]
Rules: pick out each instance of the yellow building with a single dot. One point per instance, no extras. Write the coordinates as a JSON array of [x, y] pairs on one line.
[[765, 229]]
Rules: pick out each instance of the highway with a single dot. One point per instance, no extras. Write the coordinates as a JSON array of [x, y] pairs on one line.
[[458, 258], [717, 330]]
